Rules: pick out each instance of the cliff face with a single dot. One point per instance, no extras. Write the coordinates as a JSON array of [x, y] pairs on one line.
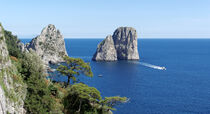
[[122, 45], [49, 45], [12, 88]]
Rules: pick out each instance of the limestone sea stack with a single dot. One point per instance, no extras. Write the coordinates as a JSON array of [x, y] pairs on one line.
[[122, 45], [49, 45]]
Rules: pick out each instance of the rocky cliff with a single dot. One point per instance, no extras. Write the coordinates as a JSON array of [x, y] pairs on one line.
[[49, 45], [122, 45], [12, 88]]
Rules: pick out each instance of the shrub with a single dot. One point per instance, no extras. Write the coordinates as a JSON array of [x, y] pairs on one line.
[[12, 44]]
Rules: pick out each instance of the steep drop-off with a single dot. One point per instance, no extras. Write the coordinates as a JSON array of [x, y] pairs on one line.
[[12, 88]]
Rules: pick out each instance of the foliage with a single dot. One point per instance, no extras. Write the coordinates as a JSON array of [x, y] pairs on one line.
[[109, 102], [83, 99], [32, 64], [74, 67], [39, 98], [80, 97], [2, 32], [12, 44]]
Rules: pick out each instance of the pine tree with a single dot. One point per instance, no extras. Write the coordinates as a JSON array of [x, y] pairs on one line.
[[74, 67]]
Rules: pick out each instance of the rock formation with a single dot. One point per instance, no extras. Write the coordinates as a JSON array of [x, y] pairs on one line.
[[106, 50], [122, 45], [49, 45], [12, 91]]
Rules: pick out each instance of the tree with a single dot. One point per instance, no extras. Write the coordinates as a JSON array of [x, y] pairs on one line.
[[12, 44], [109, 102], [39, 98], [31, 64], [81, 98], [74, 67]]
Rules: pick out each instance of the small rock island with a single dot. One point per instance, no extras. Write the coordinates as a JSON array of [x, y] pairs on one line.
[[122, 45]]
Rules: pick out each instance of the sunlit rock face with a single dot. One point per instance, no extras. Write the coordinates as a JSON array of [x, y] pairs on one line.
[[122, 45], [106, 50], [49, 45], [12, 91]]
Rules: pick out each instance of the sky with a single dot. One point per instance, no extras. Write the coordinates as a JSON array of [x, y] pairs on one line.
[[99, 18]]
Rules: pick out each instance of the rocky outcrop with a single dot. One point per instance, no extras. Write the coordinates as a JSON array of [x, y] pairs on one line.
[[122, 45], [12, 88], [106, 50], [22, 47], [49, 45]]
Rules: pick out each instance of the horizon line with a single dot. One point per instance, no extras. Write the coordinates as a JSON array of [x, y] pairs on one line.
[[137, 38]]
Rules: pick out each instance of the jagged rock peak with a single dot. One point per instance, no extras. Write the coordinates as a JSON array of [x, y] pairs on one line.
[[122, 45], [51, 31], [49, 45]]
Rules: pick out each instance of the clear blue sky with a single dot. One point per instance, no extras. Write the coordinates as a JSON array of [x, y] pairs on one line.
[[98, 18]]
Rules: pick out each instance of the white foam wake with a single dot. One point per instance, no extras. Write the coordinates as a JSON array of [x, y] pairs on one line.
[[149, 65], [82, 57]]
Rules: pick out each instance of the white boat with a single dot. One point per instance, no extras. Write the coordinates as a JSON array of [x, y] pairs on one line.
[[162, 68], [100, 75]]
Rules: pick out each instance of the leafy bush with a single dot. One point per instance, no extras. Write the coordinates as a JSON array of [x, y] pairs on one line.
[[84, 99], [39, 98]]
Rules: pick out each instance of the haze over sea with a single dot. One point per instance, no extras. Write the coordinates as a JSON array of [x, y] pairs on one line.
[[181, 89]]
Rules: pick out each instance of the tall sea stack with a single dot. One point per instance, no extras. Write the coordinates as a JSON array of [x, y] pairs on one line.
[[122, 45]]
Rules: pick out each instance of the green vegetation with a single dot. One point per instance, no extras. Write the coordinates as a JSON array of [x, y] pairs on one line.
[[109, 102], [43, 96], [12, 44], [74, 67], [14, 89], [83, 99], [2, 32], [80, 98], [39, 98]]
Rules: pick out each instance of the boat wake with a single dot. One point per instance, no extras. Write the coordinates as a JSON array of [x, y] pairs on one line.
[[134, 62], [149, 65], [82, 57]]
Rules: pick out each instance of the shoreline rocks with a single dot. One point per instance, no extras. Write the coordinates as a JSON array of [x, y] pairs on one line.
[[122, 45]]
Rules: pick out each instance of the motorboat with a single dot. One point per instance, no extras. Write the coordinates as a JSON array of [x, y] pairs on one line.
[[162, 68], [100, 75]]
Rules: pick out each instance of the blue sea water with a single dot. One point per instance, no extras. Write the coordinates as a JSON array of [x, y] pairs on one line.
[[184, 88]]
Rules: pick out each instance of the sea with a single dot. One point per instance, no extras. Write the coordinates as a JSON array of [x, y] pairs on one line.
[[183, 88]]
